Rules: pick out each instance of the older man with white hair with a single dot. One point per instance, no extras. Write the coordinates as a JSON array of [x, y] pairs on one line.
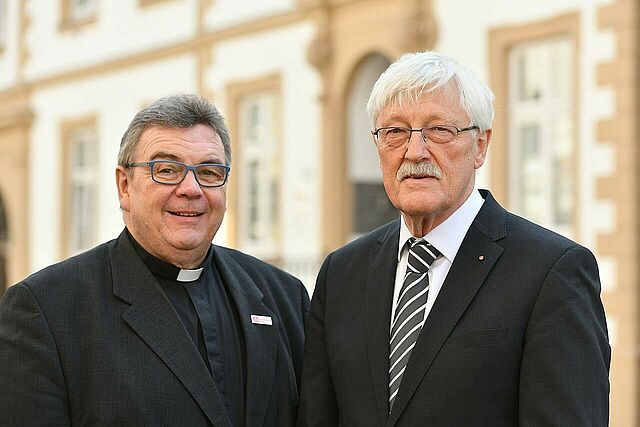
[[459, 313]]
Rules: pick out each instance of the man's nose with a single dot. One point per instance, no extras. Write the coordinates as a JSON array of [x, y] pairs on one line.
[[417, 148], [189, 186]]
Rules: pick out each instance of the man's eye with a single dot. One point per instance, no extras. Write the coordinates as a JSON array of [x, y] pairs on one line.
[[211, 172], [166, 170], [396, 131], [207, 172], [443, 132]]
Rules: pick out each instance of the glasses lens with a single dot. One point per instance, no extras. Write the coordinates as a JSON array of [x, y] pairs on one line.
[[168, 172], [211, 175], [440, 134], [394, 136]]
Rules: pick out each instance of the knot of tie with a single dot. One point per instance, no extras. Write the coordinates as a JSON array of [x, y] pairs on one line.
[[421, 255]]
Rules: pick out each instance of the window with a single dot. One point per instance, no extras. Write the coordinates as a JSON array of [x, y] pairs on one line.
[[78, 12], [541, 133], [259, 175], [80, 185], [370, 205], [81, 10]]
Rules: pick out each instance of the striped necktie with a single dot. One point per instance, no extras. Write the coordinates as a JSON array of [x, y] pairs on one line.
[[410, 309]]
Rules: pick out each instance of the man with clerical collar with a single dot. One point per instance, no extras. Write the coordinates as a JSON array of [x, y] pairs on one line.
[[159, 326]]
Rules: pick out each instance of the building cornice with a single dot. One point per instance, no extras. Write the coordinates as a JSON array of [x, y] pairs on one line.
[[190, 46]]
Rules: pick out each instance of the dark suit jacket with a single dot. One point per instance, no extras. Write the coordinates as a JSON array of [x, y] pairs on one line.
[[94, 341], [517, 337]]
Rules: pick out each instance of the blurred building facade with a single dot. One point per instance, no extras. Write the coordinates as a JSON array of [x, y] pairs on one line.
[[292, 78]]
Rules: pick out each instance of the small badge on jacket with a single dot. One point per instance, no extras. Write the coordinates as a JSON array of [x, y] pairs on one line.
[[261, 320]]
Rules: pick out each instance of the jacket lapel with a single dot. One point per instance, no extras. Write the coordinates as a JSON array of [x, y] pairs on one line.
[[379, 293], [153, 318], [261, 341], [474, 260]]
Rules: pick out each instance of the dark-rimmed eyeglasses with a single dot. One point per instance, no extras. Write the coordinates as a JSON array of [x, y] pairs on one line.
[[396, 136], [170, 172]]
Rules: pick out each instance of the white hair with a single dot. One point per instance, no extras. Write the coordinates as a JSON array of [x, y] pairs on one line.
[[423, 72]]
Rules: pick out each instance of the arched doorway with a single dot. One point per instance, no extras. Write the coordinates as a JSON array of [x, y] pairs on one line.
[[370, 206]]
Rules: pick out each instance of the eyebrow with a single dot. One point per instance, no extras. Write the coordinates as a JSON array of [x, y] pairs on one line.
[[162, 155], [429, 118]]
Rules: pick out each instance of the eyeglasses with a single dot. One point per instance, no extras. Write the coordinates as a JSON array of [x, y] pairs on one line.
[[394, 136], [170, 172]]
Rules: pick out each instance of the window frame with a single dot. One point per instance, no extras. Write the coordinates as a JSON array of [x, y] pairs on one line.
[[547, 113], [237, 94], [501, 41], [88, 177], [262, 150]]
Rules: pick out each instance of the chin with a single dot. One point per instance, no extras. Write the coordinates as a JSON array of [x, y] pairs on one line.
[[418, 211], [187, 243], [419, 205]]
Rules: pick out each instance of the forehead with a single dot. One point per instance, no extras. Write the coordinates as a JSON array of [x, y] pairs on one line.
[[200, 142], [442, 104]]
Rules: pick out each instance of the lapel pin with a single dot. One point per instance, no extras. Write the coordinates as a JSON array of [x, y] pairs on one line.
[[261, 320], [481, 258]]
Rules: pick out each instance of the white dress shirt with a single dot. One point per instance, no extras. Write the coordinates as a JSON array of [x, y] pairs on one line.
[[447, 238]]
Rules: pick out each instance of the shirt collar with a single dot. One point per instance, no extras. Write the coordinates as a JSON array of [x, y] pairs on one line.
[[161, 268], [447, 236]]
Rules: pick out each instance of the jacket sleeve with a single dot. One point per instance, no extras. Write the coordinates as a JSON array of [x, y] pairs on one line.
[[566, 356], [318, 406], [31, 381]]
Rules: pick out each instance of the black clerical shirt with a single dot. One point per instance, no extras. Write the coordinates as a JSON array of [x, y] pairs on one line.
[[207, 311]]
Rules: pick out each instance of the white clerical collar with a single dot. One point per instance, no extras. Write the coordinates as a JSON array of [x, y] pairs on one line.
[[189, 275], [166, 270]]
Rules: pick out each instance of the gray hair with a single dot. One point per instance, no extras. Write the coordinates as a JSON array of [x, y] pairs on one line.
[[423, 72], [175, 111]]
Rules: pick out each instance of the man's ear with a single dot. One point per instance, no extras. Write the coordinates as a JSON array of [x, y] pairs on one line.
[[122, 182], [482, 146]]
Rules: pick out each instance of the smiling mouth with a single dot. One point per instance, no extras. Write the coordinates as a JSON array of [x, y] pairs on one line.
[[185, 214]]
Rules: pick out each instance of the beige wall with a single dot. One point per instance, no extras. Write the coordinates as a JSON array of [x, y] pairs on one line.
[[621, 132]]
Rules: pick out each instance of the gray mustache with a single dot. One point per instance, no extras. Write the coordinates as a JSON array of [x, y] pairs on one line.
[[421, 169]]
